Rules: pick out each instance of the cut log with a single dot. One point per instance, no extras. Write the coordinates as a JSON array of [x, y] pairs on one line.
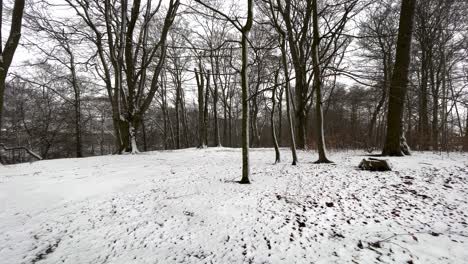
[[374, 165]]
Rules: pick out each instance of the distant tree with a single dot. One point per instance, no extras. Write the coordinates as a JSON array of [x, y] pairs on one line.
[[176, 65]]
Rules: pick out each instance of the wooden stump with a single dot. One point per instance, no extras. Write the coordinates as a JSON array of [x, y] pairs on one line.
[[374, 165]]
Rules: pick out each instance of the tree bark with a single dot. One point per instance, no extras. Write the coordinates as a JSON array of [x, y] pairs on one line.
[[465, 141], [184, 119], [245, 95], [177, 113], [398, 86], [318, 87], [200, 84], [217, 140], [280, 116], [143, 132], [77, 103], [284, 60], [205, 111], [272, 121]]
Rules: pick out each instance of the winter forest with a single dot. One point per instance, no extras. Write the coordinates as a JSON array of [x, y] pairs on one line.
[[126, 127]]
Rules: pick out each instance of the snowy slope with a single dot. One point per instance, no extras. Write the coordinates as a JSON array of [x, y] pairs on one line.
[[184, 207]]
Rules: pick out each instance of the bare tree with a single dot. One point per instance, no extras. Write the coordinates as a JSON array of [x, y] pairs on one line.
[[125, 57], [7, 52], [64, 38], [299, 49], [465, 140], [284, 65]]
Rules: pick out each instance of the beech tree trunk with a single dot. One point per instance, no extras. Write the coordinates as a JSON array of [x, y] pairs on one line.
[[184, 120], [217, 140], [288, 101], [245, 95], [272, 121], [205, 110], [177, 120], [465, 142], [77, 103], [318, 87], [201, 121], [280, 115], [398, 85]]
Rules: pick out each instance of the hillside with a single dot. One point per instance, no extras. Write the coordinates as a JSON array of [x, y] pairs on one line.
[[185, 207]]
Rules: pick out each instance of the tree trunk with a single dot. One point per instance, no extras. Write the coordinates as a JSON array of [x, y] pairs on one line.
[[435, 88], [101, 141], [409, 111], [164, 113], [465, 142], [318, 87], [173, 145], [2, 92], [126, 136], [184, 119], [424, 137], [280, 116], [230, 123], [245, 95], [272, 121], [444, 105], [200, 84], [398, 86], [217, 140], [77, 103], [177, 113], [143, 132], [288, 101], [77, 106], [132, 129], [205, 111], [225, 124], [254, 137], [301, 118]]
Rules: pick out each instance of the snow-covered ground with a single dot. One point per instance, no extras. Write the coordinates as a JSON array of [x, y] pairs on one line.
[[185, 207]]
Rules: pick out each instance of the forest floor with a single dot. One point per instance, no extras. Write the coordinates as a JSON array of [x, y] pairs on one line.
[[185, 207]]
